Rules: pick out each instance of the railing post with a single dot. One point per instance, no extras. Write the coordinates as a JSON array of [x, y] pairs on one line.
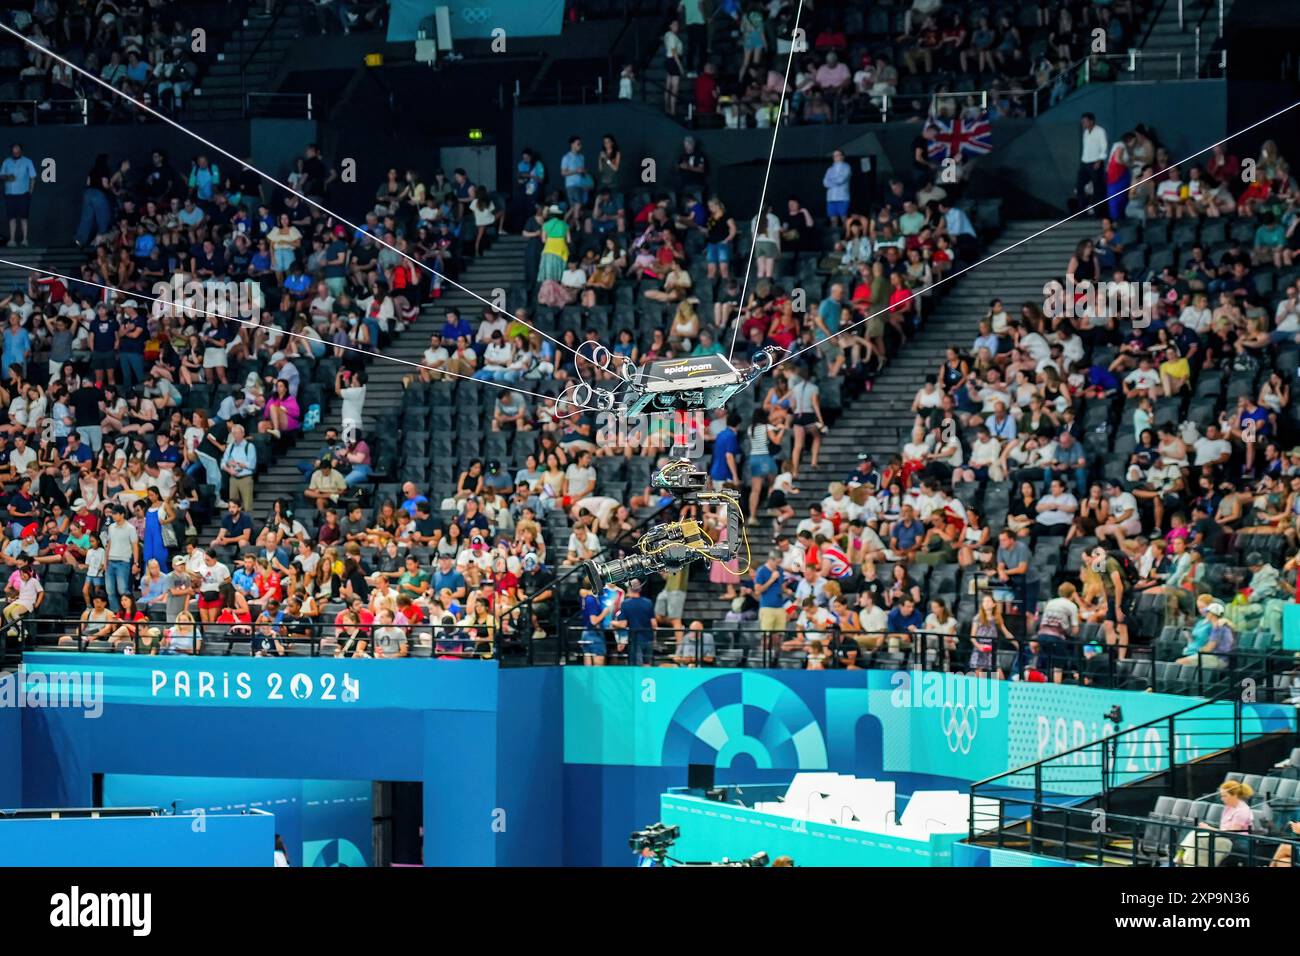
[[1221, 19], [1198, 49], [85, 111], [1178, 61], [1180, 16], [309, 106]]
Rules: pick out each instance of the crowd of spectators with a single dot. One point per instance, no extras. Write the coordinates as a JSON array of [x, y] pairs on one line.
[[1087, 467], [727, 59], [137, 418], [145, 48]]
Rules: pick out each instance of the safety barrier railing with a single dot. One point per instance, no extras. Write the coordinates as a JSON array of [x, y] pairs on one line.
[[1092, 835]]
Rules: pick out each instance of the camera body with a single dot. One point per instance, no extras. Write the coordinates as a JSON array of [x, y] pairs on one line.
[[657, 837]]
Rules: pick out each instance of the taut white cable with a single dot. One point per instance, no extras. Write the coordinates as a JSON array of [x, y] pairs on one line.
[[271, 179], [1045, 229], [273, 328]]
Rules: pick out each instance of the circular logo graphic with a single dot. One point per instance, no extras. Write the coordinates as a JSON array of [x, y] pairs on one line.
[[476, 14], [959, 726], [300, 686]]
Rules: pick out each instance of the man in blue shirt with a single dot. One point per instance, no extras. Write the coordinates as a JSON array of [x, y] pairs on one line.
[[574, 168], [19, 177], [725, 466], [132, 331], [103, 345], [636, 616], [906, 537], [904, 618], [17, 344], [448, 577], [594, 614], [769, 588], [454, 327]]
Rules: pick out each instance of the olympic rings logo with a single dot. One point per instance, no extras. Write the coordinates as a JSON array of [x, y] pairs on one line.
[[476, 14], [959, 726]]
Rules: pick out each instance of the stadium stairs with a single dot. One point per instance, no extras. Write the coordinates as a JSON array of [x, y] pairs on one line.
[[1164, 38], [501, 264], [248, 61], [879, 422]]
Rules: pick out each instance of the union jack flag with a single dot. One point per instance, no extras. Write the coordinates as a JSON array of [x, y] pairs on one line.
[[961, 136], [840, 567]]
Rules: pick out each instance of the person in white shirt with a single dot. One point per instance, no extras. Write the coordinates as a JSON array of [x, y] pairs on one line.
[[816, 524], [1056, 510], [573, 277], [985, 452], [497, 357], [1170, 195], [927, 396], [351, 388], [871, 617], [22, 456], [1197, 315], [1211, 448], [1090, 185], [321, 308], [1143, 380], [1124, 520], [435, 358]]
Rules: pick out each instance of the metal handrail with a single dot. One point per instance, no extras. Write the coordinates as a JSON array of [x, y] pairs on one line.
[[257, 48], [1074, 754], [80, 105], [303, 101], [1100, 835]]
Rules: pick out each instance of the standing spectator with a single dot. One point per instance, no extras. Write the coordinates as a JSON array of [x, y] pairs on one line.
[[123, 554], [636, 619], [697, 35], [673, 66], [577, 181], [239, 461], [19, 177], [836, 182], [1090, 185]]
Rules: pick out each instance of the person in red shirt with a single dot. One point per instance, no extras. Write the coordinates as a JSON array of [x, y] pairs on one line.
[[706, 91]]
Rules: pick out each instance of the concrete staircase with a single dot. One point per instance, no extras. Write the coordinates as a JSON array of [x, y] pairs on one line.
[[262, 42], [501, 265], [880, 421], [1174, 44], [65, 260]]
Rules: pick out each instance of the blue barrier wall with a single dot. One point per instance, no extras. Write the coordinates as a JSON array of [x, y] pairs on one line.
[[630, 735], [322, 822], [11, 756], [212, 840], [436, 722]]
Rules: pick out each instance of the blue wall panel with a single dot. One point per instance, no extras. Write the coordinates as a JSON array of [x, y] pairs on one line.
[[139, 841]]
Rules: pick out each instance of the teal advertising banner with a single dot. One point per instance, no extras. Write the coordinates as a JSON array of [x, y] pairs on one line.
[[939, 724], [476, 19], [1291, 627]]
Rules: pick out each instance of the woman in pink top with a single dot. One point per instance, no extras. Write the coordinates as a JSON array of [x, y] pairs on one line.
[[1237, 816], [281, 413]]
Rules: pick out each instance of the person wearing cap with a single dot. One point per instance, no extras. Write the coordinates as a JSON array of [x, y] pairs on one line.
[[285, 371], [1213, 638], [864, 474]]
